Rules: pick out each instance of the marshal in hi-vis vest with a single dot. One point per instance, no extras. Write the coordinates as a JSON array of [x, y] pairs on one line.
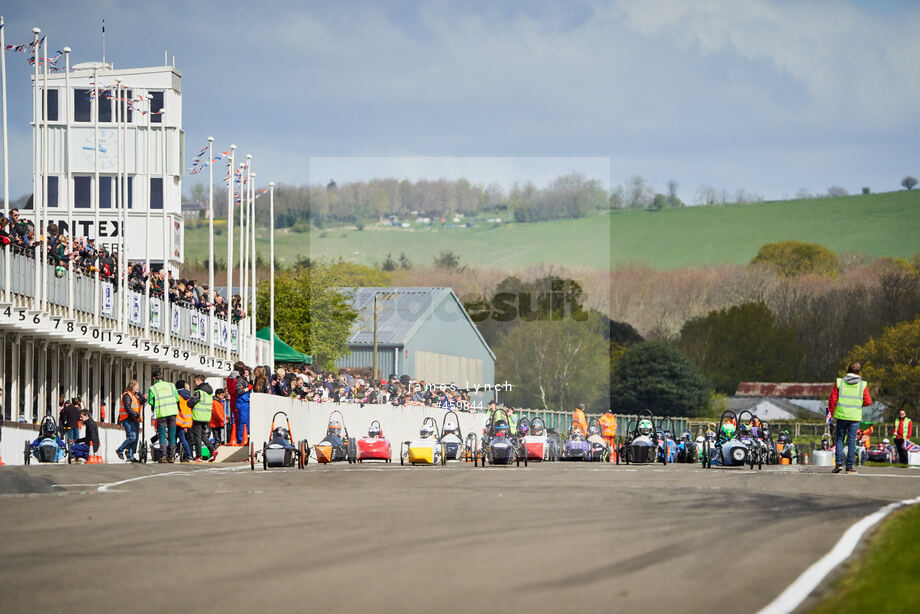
[[135, 407], [202, 411], [849, 400]]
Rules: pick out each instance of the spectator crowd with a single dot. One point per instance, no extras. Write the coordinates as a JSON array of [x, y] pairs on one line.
[[343, 386], [81, 256]]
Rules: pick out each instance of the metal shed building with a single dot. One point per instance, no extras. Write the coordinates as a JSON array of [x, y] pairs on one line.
[[422, 332]]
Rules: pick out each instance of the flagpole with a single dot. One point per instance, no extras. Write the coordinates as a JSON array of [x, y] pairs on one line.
[[212, 291], [43, 213], [230, 205], [244, 199], [36, 162], [165, 300], [125, 264], [68, 201], [96, 192], [116, 197], [6, 157], [271, 268], [147, 228], [255, 283], [243, 245]]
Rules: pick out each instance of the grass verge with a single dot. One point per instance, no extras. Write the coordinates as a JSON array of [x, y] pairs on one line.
[[884, 578]]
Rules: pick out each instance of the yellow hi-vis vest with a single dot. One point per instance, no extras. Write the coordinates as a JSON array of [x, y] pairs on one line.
[[849, 400], [164, 398]]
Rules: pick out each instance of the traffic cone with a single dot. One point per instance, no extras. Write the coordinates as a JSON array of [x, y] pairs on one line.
[[1, 462], [806, 458]]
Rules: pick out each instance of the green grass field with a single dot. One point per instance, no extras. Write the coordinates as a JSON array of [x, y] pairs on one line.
[[883, 579], [879, 224]]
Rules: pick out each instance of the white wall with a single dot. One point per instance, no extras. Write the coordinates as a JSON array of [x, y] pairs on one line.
[[309, 420]]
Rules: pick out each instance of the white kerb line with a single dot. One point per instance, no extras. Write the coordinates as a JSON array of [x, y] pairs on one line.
[[802, 587]]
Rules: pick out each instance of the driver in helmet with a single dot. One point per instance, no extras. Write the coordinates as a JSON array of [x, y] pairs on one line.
[[501, 428], [374, 432], [48, 430], [523, 429], [727, 431], [334, 433], [282, 436], [537, 427], [426, 431], [645, 427]]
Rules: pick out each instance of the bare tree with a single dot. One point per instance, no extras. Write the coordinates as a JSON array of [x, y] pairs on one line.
[[639, 194], [909, 182], [706, 195], [836, 190]]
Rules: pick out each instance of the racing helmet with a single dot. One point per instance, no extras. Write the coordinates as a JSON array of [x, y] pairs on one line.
[[728, 430], [426, 431], [593, 430], [686, 436], [523, 428], [537, 427], [700, 439], [335, 425], [281, 433], [373, 431], [577, 435], [885, 441], [501, 428], [744, 429], [645, 427], [48, 428], [710, 434], [767, 432], [784, 437]]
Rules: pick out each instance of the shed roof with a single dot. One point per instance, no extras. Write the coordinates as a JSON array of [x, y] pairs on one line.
[[400, 313], [789, 390]]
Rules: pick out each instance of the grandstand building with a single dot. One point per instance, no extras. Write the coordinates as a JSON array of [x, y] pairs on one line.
[[422, 332], [64, 335]]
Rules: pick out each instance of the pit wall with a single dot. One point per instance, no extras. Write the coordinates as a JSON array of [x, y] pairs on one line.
[[309, 420]]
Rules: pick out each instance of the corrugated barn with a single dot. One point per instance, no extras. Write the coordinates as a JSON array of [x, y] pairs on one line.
[[424, 333]]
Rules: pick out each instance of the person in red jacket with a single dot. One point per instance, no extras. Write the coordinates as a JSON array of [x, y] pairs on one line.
[[218, 418]]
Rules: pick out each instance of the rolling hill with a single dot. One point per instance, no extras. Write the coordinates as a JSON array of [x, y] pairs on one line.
[[886, 224]]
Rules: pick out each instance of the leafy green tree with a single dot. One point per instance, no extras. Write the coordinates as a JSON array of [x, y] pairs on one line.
[[554, 364], [891, 365], [404, 263], [312, 312], [741, 343], [791, 258], [655, 375], [353, 275], [909, 182], [659, 202]]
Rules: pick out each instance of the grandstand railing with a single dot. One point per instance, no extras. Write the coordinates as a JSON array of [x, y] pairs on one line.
[[187, 328]]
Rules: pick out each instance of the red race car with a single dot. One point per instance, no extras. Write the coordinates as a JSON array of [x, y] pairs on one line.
[[375, 446]]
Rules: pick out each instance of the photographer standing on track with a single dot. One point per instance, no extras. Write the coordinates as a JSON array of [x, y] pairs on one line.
[[164, 399], [850, 395]]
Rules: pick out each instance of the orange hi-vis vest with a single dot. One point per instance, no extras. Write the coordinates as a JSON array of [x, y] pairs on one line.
[[578, 417], [135, 407], [608, 423], [184, 417]]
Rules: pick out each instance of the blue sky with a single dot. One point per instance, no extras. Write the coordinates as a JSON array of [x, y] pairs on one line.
[[759, 95]]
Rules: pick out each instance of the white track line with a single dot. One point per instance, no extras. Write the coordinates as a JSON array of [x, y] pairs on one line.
[[105, 487], [795, 593]]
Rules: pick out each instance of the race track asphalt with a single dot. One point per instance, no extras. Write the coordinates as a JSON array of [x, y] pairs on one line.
[[372, 538]]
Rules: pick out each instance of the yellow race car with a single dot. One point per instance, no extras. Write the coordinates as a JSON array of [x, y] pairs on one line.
[[426, 449]]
